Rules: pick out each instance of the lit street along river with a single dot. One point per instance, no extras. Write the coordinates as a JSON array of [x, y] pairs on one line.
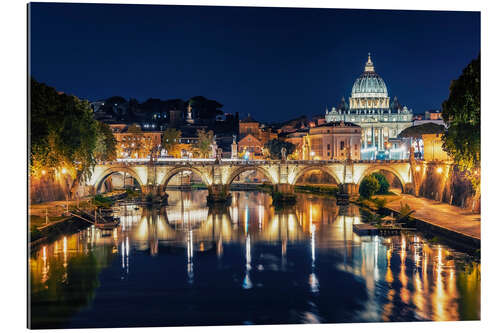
[[187, 264]]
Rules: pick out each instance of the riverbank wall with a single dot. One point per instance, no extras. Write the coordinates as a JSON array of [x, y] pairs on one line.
[[54, 188], [445, 182], [453, 237], [47, 233]]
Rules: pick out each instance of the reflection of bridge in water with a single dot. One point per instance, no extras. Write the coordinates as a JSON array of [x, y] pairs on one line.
[[188, 225]]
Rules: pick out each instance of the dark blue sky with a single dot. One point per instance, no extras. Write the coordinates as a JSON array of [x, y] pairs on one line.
[[275, 63]]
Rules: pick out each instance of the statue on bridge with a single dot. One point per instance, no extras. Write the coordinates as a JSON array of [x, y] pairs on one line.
[[234, 148], [283, 154], [218, 157], [214, 148]]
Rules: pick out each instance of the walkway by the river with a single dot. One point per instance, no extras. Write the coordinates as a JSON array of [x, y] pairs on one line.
[[440, 214]]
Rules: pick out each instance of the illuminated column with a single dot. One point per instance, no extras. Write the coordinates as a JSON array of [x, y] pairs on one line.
[[381, 138], [373, 137]]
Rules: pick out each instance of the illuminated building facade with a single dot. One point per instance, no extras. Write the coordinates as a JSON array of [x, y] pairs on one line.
[[370, 107], [134, 145], [332, 141]]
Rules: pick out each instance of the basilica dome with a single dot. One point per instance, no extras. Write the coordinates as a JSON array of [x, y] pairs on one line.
[[369, 84]]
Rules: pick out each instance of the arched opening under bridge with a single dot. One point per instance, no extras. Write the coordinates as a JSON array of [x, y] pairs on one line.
[[249, 176], [117, 179], [184, 177], [316, 176], [396, 182]]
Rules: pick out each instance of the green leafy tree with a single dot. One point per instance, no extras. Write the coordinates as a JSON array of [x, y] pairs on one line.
[[63, 132], [368, 187], [274, 148], [383, 183], [106, 143], [205, 140], [462, 114], [170, 140]]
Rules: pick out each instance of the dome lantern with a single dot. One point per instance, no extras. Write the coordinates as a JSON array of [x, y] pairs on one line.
[[369, 64]]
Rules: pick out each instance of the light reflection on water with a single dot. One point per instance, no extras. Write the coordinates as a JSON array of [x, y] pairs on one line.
[[254, 264]]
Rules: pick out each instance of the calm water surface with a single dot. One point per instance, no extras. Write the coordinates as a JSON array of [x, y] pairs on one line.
[[187, 264]]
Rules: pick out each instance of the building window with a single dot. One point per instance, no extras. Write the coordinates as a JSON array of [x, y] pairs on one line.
[[341, 145], [328, 147]]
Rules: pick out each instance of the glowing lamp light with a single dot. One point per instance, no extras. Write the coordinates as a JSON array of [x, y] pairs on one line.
[[417, 168], [312, 153], [44, 172], [439, 170], [63, 171]]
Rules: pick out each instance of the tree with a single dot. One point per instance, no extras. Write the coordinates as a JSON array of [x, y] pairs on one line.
[[106, 143], [383, 183], [204, 144], [417, 131], [368, 187], [462, 114], [63, 132], [205, 108], [274, 147], [170, 141]]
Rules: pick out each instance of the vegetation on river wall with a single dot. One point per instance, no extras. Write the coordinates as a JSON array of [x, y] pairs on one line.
[[318, 189]]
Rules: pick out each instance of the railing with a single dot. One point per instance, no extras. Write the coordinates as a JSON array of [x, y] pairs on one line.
[[207, 161]]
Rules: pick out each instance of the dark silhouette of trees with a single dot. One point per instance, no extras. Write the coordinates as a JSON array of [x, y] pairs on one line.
[[274, 147], [462, 114]]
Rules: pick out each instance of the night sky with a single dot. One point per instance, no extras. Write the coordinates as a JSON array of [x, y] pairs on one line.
[[274, 63]]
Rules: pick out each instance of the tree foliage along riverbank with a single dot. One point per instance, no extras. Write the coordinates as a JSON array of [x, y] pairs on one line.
[[462, 114], [64, 137], [376, 183]]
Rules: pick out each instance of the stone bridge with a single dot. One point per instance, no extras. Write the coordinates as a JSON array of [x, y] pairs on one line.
[[218, 175]]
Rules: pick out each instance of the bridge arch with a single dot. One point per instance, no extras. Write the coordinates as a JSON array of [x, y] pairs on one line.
[[368, 171], [240, 170], [111, 170], [316, 168], [172, 172]]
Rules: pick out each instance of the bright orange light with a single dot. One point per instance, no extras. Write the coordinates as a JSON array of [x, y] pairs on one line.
[[417, 168], [439, 170], [44, 172]]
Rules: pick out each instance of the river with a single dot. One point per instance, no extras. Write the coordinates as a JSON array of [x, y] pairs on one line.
[[249, 263]]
